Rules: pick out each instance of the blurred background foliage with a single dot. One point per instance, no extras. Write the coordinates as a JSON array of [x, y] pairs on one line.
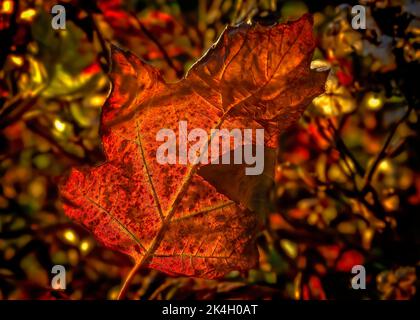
[[347, 181]]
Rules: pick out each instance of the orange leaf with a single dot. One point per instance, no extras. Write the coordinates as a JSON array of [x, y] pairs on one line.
[[168, 217]]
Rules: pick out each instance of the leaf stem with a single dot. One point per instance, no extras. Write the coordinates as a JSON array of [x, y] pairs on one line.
[[165, 223], [128, 279]]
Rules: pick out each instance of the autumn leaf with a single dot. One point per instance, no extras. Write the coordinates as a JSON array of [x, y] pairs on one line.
[[248, 190], [169, 217]]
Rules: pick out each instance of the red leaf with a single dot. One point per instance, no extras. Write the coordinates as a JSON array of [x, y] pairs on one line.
[[168, 217]]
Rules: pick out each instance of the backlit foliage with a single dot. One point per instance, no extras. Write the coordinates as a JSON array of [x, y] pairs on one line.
[[347, 180]]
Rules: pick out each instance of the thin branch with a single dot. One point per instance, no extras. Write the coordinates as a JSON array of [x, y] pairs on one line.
[[102, 41], [35, 128], [376, 207], [383, 153], [179, 73], [329, 234], [344, 150], [16, 110]]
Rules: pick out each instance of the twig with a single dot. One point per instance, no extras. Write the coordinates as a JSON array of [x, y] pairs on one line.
[[354, 194], [16, 110], [342, 147], [179, 73], [383, 153], [331, 235], [160, 290], [33, 126], [105, 51]]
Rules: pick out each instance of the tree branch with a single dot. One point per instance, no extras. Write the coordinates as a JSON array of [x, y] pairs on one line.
[[383, 153], [179, 73]]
